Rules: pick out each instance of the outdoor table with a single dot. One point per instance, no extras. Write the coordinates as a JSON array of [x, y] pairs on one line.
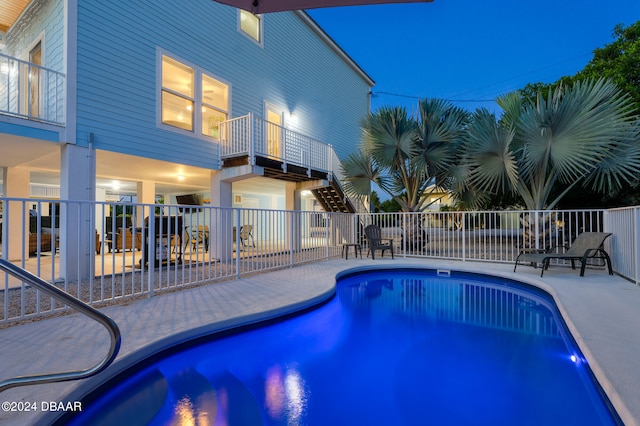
[[356, 248]]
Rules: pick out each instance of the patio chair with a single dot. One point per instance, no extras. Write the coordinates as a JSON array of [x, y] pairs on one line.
[[198, 235], [246, 235], [376, 242], [588, 245]]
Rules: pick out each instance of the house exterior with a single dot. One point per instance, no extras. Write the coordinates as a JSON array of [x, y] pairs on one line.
[[159, 100]]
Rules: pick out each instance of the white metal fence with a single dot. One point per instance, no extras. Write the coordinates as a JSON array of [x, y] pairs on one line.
[[103, 252], [493, 236], [31, 91], [624, 224]]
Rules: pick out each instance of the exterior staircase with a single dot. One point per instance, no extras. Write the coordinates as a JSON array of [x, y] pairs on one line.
[[333, 199]]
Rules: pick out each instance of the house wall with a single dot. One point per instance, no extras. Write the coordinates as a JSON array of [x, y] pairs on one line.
[[118, 44], [44, 17]]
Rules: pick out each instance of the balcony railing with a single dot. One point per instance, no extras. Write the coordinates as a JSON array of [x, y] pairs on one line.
[[253, 136], [31, 91]]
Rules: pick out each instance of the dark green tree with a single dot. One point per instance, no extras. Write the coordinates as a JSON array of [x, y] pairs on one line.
[[619, 61]]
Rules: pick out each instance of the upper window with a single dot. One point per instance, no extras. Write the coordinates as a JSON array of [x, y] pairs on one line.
[[186, 91], [214, 105], [251, 25]]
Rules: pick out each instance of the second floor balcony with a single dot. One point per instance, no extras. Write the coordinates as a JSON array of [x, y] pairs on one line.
[[31, 91], [256, 141], [287, 155]]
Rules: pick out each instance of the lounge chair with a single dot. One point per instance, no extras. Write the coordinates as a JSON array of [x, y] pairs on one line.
[[588, 245], [376, 242]]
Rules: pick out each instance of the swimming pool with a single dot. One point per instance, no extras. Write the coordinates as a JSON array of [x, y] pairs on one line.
[[393, 347]]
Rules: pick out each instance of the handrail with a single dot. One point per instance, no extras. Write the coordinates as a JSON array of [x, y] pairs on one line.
[[45, 87], [80, 306]]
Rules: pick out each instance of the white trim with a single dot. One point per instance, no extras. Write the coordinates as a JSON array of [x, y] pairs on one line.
[[197, 100], [260, 30], [268, 106], [70, 50]]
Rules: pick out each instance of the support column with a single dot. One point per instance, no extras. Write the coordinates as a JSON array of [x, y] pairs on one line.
[[16, 185], [77, 217], [102, 211], [221, 220], [293, 203], [145, 194]]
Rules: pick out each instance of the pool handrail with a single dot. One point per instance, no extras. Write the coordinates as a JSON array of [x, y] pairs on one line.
[[83, 308]]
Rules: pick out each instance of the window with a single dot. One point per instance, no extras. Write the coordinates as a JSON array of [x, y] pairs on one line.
[[177, 94], [214, 105], [187, 90], [251, 25]]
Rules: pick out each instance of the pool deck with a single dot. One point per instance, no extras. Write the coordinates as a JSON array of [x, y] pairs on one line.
[[603, 313]]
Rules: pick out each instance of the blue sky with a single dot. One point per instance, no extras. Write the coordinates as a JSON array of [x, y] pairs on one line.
[[470, 50]]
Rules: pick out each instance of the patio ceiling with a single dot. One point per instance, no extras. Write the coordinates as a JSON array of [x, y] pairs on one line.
[[10, 10], [43, 158]]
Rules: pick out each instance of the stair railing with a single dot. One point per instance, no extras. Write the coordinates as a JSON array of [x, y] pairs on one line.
[[67, 299]]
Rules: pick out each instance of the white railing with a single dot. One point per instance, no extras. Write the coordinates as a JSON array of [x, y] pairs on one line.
[[236, 137], [493, 236], [251, 135], [104, 252], [624, 224], [31, 91]]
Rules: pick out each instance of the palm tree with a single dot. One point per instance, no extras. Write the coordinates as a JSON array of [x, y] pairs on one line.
[[584, 134], [407, 157]]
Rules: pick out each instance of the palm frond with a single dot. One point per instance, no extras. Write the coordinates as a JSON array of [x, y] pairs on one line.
[[388, 135], [492, 163], [573, 129]]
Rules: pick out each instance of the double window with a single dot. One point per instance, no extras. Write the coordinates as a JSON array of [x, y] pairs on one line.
[[192, 99]]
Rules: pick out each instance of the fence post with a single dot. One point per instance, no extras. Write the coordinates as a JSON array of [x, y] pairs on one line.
[[238, 242], [328, 232], [251, 140], [151, 250], [464, 236], [404, 234], [636, 245]]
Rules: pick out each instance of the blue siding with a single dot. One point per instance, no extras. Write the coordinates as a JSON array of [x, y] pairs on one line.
[[117, 56]]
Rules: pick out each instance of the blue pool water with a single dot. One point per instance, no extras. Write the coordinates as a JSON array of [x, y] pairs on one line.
[[406, 347]]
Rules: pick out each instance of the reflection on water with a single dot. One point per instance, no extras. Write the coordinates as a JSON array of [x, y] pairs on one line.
[[285, 395], [459, 300]]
